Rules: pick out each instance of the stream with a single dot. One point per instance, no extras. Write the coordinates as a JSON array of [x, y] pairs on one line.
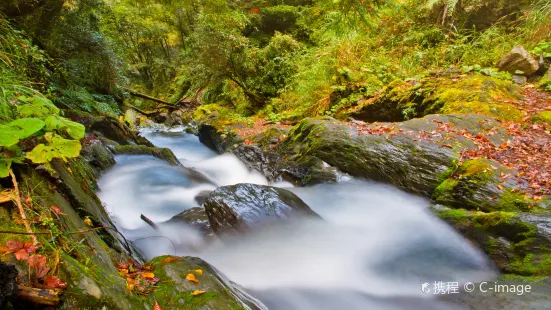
[[374, 248]]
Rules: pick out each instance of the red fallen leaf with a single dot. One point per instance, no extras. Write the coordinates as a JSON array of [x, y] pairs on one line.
[[54, 282], [36, 261], [57, 210], [21, 255], [30, 248], [14, 245], [157, 307], [41, 271]]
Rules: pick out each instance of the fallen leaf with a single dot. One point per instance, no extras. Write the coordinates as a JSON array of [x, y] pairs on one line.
[[14, 245], [196, 293], [190, 277], [57, 210], [130, 283], [157, 307], [21, 255], [169, 259], [30, 248], [54, 282], [36, 261], [500, 187], [41, 271], [88, 222], [198, 272], [148, 275]]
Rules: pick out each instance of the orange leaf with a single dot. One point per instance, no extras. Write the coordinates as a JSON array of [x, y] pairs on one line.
[[500, 187], [157, 307], [148, 275], [169, 259], [130, 283], [41, 271], [88, 222], [14, 245], [196, 293], [57, 210], [54, 282], [37, 261], [21, 255], [29, 247], [191, 278]]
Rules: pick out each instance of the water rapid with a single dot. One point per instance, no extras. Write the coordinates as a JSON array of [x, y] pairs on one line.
[[373, 250]]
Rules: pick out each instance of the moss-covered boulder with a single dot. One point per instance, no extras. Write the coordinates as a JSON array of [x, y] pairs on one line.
[[244, 207], [117, 131], [519, 243], [161, 153], [175, 292], [400, 100]]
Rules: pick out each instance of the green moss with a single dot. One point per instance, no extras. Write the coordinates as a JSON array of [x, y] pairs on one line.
[[480, 168], [510, 201], [542, 117]]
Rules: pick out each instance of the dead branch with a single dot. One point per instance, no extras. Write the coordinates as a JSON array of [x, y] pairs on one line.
[[17, 196], [149, 222], [40, 296]]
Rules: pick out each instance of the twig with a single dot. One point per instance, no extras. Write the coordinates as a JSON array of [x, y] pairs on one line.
[[21, 211]]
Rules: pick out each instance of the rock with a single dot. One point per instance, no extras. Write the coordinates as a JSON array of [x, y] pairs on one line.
[[401, 101], [257, 159], [173, 288], [518, 243], [98, 155], [243, 207], [161, 153], [8, 283], [216, 140], [160, 118], [200, 198], [117, 131], [196, 218], [520, 79], [519, 60]]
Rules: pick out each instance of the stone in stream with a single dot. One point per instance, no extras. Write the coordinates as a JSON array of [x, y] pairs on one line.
[[196, 218], [243, 207]]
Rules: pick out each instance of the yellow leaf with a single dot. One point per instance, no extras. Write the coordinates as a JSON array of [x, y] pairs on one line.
[[198, 272], [148, 275], [130, 283], [191, 278], [88, 222], [123, 271], [195, 293]]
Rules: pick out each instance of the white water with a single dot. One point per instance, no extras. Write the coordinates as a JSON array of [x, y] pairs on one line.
[[374, 249]]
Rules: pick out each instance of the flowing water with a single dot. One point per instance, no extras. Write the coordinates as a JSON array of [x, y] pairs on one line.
[[373, 250]]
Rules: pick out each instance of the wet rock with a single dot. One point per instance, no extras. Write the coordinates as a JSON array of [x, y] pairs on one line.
[[161, 153], [173, 288], [519, 60], [243, 207], [160, 118], [117, 131], [196, 218], [265, 162], [98, 155], [518, 243], [216, 140], [8, 283]]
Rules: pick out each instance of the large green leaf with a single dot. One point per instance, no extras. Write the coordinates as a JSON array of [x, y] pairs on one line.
[[61, 124], [5, 164], [37, 107], [57, 147], [27, 126], [8, 135]]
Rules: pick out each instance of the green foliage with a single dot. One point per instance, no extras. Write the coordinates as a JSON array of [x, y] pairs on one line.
[[543, 48], [57, 147]]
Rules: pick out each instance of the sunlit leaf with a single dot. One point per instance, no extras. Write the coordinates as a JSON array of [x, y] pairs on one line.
[[198, 292], [58, 147], [27, 126], [73, 129], [191, 278]]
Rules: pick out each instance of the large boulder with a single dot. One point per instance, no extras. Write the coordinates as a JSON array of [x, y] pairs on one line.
[[518, 243], [400, 100], [117, 131], [243, 207], [519, 60], [174, 291]]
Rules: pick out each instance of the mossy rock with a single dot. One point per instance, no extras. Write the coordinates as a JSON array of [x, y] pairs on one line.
[[464, 95], [175, 292], [519, 243], [161, 153]]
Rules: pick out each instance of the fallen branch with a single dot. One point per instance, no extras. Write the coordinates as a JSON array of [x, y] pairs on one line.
[[6, 196], [21, 210], [42, 296], [149, 222], [144, 96]]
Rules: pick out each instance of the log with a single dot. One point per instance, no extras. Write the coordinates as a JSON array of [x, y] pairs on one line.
[[144, 96], [40, 296], [149, 222]]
